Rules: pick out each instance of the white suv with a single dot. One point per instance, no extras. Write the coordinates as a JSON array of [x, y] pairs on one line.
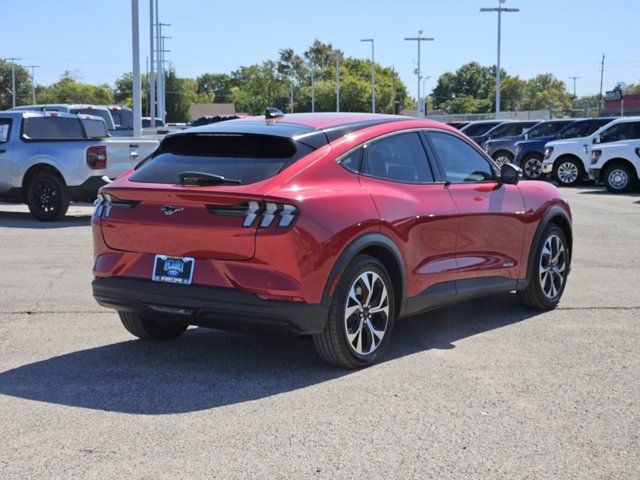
[[616, 164], [568, 160]]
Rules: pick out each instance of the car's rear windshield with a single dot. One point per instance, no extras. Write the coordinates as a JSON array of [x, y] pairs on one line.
[[582, 129], [479, 128], [95, 128], [98, 112], [52, 128], [246, 158]]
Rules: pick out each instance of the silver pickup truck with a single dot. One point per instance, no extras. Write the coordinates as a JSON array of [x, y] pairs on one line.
[[48, 159]]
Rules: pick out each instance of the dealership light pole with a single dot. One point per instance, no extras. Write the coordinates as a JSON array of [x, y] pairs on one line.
[[13, 61], [373, 74], [162, 97], [33, 82], [419, 39], [152, 76], [137, 101], [337, 80], [500, 9], [313, 89]]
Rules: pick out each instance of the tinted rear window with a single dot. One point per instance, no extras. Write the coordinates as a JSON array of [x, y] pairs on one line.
[[53, 128], [582, 129], [248, 158], [104, 114], [95, 128]]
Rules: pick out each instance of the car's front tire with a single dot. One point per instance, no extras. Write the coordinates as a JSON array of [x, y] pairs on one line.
[[148, 329], [532, 166], [618, 178], [548, 278], [568, 171], [47, 197], [501, 157], [361, 316]]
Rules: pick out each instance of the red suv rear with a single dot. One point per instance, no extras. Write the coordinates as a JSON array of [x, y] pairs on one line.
[[333, 225]]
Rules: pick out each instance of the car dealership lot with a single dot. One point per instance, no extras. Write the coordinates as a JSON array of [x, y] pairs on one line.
[[485, 389]]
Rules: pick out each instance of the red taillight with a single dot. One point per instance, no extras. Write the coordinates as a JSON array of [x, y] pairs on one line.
[[97, 157]]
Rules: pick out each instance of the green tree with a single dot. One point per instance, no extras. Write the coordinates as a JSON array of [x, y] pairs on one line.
[[23, 86], [69, 90], [180, 94]]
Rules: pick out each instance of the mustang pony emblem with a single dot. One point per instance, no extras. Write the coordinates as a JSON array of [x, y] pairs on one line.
[[169, 210]]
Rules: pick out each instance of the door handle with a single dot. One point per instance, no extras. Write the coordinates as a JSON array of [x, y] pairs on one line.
[[134, 154]]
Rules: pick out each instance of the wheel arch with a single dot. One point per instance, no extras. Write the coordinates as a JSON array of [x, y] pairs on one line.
[[568, 156], [37, 168], [555, 215], [620, 161], [503, 150], [380, 247]]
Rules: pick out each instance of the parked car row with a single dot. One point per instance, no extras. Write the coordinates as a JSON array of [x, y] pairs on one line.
[[605, 149], [50, 158]]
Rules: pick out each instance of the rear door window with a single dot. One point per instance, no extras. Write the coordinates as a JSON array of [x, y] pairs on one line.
[[398, 158], [621, 131], [5, 129], [52, 128], [246, 158]]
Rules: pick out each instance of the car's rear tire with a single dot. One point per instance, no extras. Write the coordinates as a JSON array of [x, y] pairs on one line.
[[532, 166], [361, 316], [47, 197], [568, 171], [618, 178], [148, 329], [548, 277]]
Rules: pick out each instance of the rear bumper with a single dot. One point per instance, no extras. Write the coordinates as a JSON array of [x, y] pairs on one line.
[[213, 307]]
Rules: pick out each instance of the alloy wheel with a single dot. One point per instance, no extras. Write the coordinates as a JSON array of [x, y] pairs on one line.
[[568, 172], [46, 197], [501, 160], [553, 266], [618, 179], [533, 167], [366, 314]]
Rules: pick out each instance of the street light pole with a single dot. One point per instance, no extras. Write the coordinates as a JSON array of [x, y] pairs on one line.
[[419, 39], [137, 101], [162, 99], [500, 9], [373, 74], [33, 82], [337, 80], [152, 76], [13, 61], [313, 90]]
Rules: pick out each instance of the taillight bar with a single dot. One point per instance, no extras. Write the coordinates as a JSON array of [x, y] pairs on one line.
[[105, 202], [268, 211]]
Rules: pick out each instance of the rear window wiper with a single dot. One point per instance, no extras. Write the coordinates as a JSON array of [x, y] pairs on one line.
[[202, 178]]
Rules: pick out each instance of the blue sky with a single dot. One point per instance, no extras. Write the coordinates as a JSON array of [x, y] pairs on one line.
[[566, 37]]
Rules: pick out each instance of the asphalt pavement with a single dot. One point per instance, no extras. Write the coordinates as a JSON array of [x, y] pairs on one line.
[[481, 390]]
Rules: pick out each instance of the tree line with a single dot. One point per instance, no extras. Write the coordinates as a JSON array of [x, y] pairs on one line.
[[470, 89]]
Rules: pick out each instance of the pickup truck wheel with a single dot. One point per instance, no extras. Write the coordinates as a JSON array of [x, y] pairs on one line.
[[502, 157], [568, 172], [617, 178], [148, 329], [47, 197], [532, 166]]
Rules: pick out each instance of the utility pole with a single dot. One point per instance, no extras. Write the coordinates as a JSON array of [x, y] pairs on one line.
[[137, 87], [337, 80], [500, 9], [419, 39], [162, 94], [373, 74], [574, 85], [13, 61], [393, 89], [152, 76], [33, 82], [601, 79]]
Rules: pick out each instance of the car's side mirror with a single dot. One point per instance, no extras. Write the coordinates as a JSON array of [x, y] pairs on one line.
[[510, 174], [596, 139]]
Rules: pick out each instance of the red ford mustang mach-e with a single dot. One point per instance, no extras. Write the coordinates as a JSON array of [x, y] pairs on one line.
[[333, 225]]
